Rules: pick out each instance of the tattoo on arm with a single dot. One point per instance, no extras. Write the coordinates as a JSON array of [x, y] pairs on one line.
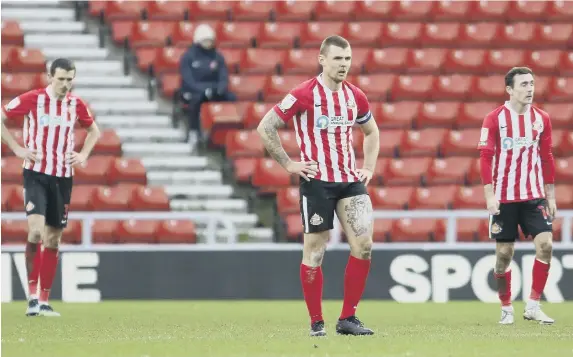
[[550, 191], [358, 214], [268, 129]]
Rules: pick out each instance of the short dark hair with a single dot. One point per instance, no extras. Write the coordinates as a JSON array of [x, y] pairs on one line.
[[63, 63], [514, 72], [334, 40]]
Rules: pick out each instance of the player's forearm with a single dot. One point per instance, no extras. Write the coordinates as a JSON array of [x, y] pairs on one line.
[[488, 191], [550, 191], [91, 140], [371, 148], [7, 137], [268, 130], [548, 167], [486, 161]]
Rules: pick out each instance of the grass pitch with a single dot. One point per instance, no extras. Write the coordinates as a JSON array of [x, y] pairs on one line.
[[279, 328]]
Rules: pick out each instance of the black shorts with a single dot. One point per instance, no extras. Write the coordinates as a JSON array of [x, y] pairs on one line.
[[531, 216], [48, 196], [318, 200]]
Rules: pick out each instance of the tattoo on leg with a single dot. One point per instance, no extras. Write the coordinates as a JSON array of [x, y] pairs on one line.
[[357, 213]]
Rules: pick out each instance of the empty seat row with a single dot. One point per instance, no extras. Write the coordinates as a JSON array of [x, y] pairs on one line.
[[159, 60], [122, 197], [113, 231], [426, 142], [98, 169], [108, 144], [392, 87], [375, 33], [21, 59], [418, 230], [334, 10], [268, 176]]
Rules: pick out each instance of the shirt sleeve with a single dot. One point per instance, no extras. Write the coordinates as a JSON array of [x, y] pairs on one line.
[[363, 106], [19, 106], [290, 106], [486, 145], [546, 152], [85, 117]]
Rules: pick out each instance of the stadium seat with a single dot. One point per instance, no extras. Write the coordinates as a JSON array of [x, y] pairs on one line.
[[412, 11], [120, 31], [489, 10], [461, 143], [471, 197], [72, 233], [252, 11], [566, 63], [300, 61], [176, 231], [438, 197], [401, 34], [6, 152], [437, 114], [289, 142], [423, 142], [243, 143], [382, 229], [565, 147], [183, 32], [379, 170], [298, 10], [149, 199], [560, 11], [277, 87], [561, 90], [288, 200], [440, 34], [417, 87], [16, 200], [219, 113], [564, 170], [14, 232], [390, 197], [210, 10], [397, 115], [12, 34], [268, 176], [489, 88], [557, 36], [426, 60], [294, 227], [406, 171], [163, 10], [150, 33], [243, 168], [238, 34], [247, 87], [517, 35], [15, 84], [254, 112], [94, 171], [124, 10], [474, 176], [11, 169], [28, 60], [389, 142], [386, 60], [375, 86], [478, 35], [374, 10], [499, 60], [114, 198], [105, 231], [465, 61], [128, 170], [313, 33], [7, 192], [416, 230], [260, 61], [467, 229], [146, 57], [451, 170], [137, 232], [451, 11], [169, 84], [363, 34], [108, 144], [168, 58], [333, 10], [544, 62], [81, 197], [564, 196], [278, 35]]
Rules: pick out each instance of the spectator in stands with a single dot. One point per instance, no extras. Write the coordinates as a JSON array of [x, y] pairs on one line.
[[204, 76]]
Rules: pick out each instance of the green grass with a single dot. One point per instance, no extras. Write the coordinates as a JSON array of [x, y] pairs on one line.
[[279, 328]]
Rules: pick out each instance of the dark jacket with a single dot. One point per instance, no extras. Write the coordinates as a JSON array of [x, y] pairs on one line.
[[201, 69]]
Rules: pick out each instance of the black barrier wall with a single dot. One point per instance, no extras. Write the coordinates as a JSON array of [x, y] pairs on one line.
[[405, 276]]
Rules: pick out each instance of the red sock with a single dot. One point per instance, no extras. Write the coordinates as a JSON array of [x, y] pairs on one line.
[[311, 279], [33, 262], [540, 274], [48, 272], [354, 283], [504, 287]]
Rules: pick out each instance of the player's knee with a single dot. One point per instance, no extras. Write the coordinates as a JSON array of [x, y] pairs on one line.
[[545, 245], [316, 255], [52, 240], [35, 234], [361, 247]]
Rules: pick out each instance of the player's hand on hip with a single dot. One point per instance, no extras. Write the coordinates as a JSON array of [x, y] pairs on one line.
[[552, 207], [305, 169], [492, 205], [365, 175], [26, 154], [75, 158]]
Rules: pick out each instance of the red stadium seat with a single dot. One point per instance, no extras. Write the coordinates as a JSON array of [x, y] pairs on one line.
[[313, 33], [363, 33], [94, 171], [183, 32], [379, 170], [418, 87], [12, 34], [489, 88], [278, 35], [472, 114], [438, 197], [17, 135], [164, 10], [108, 144], [461, 143], [564, 170], [398, 115], [247, 87], [11, 169], [452, 87], [220, 113], [210, 10], [565, 147], [416, 230], [111, 198], [288, 140], [16, 200], [489, 10], [261, 60], [7, 54], [465, 61], [149, 199], [374, 10], [451, 170], [127, 170], [28, 60], [406, 171], [176, 231], [7, 192], [469, 198], [451, 11], [168, 59], [527, 11], [516, 35], [238, 34], [288, 200], [442, 114], [120, 31], [14, 232], [376, 86], [423, 142], [300, 61], [468, 229], [387, 59], [104, 231], [560, 11], [566, 63], [390, 197], [389, 142], [412, 11], [498, 61], [382, 229], [243, 168], [401, 34], [300, 10], [244, 143], [252, 11], [146, 57], [277, 87], [480, 35], [72, 233], [15, 84], [561, 90], [124, 10], [440, 34], [170, 83], [294, 227], [334, 10], [254, 113], [474, 177], [133, 231], [269, 176], [557, 36], [544, 61], [427, 60], [150, 33], [564, 196], [81, 197]]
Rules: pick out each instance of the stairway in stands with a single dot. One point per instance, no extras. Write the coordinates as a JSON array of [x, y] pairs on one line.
[[119, 102]]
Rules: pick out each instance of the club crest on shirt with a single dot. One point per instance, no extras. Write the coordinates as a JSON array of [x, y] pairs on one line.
[[322, 122], [351, 104], [538, 125]]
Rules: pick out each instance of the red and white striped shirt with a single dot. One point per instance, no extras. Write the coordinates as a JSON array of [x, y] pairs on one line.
[[521, 145], [323, 121], [49, 127]]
